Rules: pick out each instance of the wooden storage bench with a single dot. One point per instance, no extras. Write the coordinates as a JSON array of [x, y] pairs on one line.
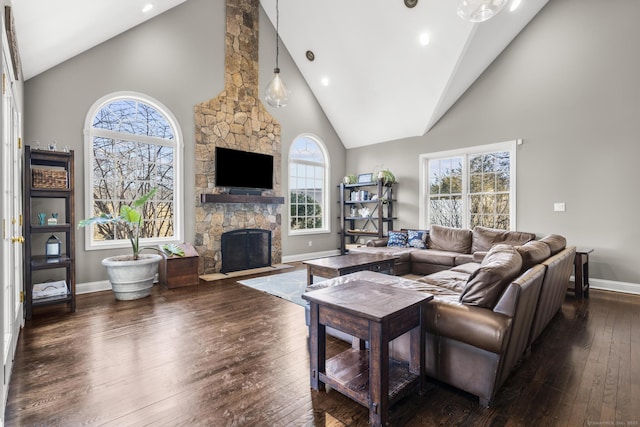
[[178, 271]]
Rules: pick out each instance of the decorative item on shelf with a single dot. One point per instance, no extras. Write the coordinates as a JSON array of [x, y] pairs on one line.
[[387, 177], [53, 145], [53, 247], [350, 179], [276, 93], [365, 212], [53, 220], [353, 211], [365, 178], [480, 10], [42, 217], [50, 289], [359, 196]]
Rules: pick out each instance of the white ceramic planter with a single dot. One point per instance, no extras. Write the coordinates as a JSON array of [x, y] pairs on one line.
[[132, 279]]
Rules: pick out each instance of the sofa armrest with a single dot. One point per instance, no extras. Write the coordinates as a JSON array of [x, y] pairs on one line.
[[479, 256], [378, 242], [476, 326]]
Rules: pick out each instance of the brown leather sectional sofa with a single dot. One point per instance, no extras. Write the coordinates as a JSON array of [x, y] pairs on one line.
[[486, 313], [446, 247]]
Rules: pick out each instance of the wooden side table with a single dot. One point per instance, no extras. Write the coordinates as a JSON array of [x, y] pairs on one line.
[[375, 313], [581, 276]]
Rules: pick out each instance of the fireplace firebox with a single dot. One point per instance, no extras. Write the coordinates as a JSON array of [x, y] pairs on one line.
[[245, 249]]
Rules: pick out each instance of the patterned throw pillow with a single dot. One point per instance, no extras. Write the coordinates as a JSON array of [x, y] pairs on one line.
[[416, 239], [397, 239]]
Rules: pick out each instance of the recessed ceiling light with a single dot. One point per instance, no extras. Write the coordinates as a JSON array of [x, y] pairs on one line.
[[147, 7], [424, 39], [514, 5], [325, 81]]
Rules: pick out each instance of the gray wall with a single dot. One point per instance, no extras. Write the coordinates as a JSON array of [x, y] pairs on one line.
[[569, 86], [178, 59]]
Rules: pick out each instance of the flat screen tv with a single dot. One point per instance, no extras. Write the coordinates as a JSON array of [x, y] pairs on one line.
[[238, 169]]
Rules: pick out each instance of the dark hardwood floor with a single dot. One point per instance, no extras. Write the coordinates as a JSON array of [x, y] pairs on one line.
[[223, 354]]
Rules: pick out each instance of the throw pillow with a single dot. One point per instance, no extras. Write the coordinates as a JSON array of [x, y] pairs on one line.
[[416, 239], [397, 239], [484, 287], [532, 253]]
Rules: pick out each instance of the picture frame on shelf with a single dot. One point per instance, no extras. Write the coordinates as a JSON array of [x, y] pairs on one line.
[[365, 178]]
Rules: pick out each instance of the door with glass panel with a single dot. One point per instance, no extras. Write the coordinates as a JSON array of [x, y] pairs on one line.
[[12, 223]]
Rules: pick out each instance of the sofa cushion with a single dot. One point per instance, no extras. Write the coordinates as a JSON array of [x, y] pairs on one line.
[[556, 242], [397, 239], [532, 253], [417, 239], [484, 238], [448, 279], [486, 284], [468, 268], [449, 239], [434, 256], [464, 258]]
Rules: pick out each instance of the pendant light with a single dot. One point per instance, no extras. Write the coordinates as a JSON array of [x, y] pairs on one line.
[[276, 93], [480, 10]]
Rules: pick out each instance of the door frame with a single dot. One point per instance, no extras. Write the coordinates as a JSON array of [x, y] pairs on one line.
[[11, 209]]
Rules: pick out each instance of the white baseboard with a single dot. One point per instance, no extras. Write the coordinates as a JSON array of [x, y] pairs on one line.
[[601, 284], [312, 255], [86, 288], [614, 286]]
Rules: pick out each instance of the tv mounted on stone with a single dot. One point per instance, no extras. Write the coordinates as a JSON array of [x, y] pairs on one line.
[[243, 172]]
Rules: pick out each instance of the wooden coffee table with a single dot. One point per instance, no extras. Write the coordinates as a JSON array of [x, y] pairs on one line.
[[375, 313], [344, 264]]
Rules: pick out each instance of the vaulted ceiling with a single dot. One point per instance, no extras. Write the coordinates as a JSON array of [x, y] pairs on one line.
[[381, 71]]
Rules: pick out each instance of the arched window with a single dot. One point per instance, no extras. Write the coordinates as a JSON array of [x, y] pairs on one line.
[[132, 145], [308, 177]]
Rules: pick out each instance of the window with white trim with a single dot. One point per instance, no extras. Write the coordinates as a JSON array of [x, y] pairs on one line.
[[468, 187], [132, 145], [308, 177]]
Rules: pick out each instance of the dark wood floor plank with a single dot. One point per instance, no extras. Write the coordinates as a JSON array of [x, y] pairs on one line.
[[227, 355]]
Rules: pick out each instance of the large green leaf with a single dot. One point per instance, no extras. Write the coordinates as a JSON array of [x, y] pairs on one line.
[[142, 200], [130, 215], [101, 219]]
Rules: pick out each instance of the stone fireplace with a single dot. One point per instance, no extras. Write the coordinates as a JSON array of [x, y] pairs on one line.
[[235, 119]]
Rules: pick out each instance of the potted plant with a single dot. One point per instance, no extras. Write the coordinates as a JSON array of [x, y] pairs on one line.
[[387, 177], [132, 276], [349, 179]]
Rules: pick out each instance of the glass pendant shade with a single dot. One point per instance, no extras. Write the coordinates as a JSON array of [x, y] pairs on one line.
[[480, 10], [276, 93]]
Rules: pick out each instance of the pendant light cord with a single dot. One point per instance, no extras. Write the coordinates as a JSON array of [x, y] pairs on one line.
[[277, 33]]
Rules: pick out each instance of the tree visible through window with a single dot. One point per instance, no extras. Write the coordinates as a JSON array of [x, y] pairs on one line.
[[133, 148], [307, 185], [471, 188]]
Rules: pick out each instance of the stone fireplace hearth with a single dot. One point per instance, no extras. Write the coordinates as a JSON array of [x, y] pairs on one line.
[[235, 119]]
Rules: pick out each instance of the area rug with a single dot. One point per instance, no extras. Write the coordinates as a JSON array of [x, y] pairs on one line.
[[289, 285]]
